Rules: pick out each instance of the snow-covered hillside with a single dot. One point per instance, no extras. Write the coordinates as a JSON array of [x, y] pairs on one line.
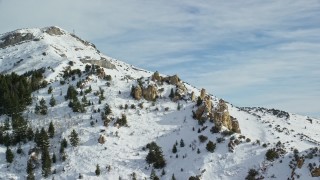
[[153, 114]]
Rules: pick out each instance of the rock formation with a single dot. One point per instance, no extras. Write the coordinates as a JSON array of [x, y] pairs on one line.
[[15, 38], [137, 92], [300, 163], [221, 116], [316, 172], [193, 97], [156, 77], [102, 139], [202, 94], [103, 62], [54, 31], [150, 93]]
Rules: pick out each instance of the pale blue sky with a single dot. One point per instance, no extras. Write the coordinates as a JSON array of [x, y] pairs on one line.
[[249, 52]]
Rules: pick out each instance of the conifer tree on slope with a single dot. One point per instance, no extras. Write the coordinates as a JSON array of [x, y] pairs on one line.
[[74, 139]]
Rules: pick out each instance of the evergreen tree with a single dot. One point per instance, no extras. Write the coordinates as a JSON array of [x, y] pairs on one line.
[[49, 90], [173, 178], [211, 146], [97, 170], [155, 156], [9, 155], [153, 175], [46, 162], [181, 143], [71, 93], [51, 130], [107, 110], [6, 124], [37, 109], [174, 149], [54, 158], [52, 101], [74, 139], [7, 140], [43, 141], [199, 101], [29, 166], [19, 127], [171, 96], [43, 107], [122, 121], [37, 137], [30, 134]]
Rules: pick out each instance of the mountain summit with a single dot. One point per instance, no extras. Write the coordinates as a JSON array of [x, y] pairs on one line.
[[69, 112]]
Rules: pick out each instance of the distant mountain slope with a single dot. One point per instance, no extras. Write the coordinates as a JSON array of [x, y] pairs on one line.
[[117, 110]]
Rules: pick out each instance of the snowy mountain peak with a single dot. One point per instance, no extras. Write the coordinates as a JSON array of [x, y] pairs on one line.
[[115, 121]]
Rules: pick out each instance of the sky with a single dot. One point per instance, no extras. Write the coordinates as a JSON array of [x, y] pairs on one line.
[[248, 52]]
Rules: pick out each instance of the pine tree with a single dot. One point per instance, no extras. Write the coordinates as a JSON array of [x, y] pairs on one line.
[[43, 141], [97, 170], [64, 143], [7, 140], [52, 101], [173, 178], [30, 134], [211, 146], [153, 175], [43, 107], [107, 110], [74, 139], [181, 143], [155, 156], [9, 155], [174, 149], [6, 124], [46, 162], [29, 167], [171, 96], [54, 158], [51, 130], [50, 90], [199, 101]]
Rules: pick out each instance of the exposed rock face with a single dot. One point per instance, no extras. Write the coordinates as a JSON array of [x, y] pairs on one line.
[[137, 92], [221, 116], [235, 125], [15, 38], [300, 163], [316, 172], [54, 31], [204, 109], [202, 93], [174, 80], [156, 77], [193, 97], [150, 93], [102, 63], [102, 139]]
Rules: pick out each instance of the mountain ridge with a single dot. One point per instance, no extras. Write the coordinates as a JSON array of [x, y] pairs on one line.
[[152, 113]]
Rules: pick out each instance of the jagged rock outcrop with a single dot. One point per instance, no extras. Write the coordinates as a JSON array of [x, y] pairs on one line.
[[235, 127], [202, 94], [103, 62], [15, 38], [54, 31], [205, 109], [150, 93], [193, 96], [156, 77], [316, 172], [221, 116], [137, 92]]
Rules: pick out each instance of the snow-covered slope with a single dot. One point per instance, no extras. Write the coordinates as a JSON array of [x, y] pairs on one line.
[[163, 121]]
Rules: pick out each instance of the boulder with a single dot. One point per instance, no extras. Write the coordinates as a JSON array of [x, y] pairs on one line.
[[316, 172], [137, 92], [150, 93], [102, 139]]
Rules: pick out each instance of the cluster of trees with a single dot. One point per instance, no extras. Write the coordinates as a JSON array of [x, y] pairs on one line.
[[155, 156], [74, 101]]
